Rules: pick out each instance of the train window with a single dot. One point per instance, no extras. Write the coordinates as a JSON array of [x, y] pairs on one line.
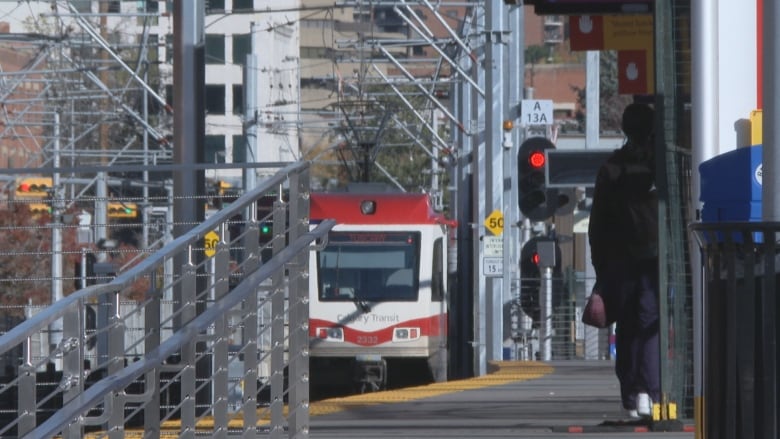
[[437, 273], [369, 266]]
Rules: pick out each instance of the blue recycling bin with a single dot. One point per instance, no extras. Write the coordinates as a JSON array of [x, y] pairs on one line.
[[731, 186]]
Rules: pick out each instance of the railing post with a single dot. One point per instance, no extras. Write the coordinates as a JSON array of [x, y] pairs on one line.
[[187, 361], [73, 361], [251, 263], [152, 323], [221, 272], [26, 389], [299, 310], [277, 325], [116, 362]]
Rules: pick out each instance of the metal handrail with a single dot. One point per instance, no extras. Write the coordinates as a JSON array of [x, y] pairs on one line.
[[188, 332], [138, 345]]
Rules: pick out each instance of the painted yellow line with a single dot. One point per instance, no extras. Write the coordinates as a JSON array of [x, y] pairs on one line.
[[499, 373], [502, 372]]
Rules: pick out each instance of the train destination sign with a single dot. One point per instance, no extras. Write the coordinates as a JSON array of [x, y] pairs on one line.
[[565, 7]]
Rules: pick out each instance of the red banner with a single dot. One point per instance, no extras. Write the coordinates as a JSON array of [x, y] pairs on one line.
[[632, 72], [586, 32]]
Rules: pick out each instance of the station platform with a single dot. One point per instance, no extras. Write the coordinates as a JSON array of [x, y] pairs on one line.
[[515, 400]]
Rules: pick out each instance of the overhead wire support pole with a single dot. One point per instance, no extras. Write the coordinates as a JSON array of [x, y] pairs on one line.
[[495, 34], [515, 80], [427, 37]]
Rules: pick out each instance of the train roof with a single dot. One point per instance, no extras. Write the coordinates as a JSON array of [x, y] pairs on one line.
[[389, 208]]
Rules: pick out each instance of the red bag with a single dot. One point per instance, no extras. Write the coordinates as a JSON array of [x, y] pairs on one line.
[[595, 312]]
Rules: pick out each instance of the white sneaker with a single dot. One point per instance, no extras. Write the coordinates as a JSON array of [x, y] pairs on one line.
[[644, 405], [632, 414]]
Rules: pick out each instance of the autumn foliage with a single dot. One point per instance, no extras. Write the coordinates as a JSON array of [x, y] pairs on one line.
[[26, 259]]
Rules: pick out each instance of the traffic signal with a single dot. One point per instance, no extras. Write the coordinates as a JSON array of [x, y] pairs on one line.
[[33, 187], [39, 208], [266, 237], [531, 278], [537, 202], [122, 210]]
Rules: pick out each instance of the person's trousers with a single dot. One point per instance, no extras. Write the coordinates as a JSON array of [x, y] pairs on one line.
[[638, 361]]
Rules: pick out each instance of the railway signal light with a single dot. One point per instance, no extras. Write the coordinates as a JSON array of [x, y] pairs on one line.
[[266, 237], [39, 208], [33, 187], [122, 210], [536, 253], [537, 202]]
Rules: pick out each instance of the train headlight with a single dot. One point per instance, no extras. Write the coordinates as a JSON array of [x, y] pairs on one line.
[[406, 334], [330, 334], [368, 207]]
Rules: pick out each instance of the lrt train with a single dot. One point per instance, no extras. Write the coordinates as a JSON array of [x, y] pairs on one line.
[[378, 292]]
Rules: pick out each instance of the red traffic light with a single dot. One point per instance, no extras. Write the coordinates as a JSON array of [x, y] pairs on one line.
[[24, 187], [535, 258], [536, 159]]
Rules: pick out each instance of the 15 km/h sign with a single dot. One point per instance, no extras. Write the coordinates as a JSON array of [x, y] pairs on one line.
[[495, 222]]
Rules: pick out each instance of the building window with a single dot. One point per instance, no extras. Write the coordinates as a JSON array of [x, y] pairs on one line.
[[309, 52], [154, 47], [242, 46], [215, 5], [239, 149], [238, 99], [215, 99], [214, 148], [215, 49], [243, 4], [113, 6], [82, 5], [152, 6]]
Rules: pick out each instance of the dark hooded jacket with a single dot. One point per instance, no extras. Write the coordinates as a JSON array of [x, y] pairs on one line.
[[624, 215]]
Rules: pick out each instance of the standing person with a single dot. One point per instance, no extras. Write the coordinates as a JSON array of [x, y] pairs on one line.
[[623, 235]]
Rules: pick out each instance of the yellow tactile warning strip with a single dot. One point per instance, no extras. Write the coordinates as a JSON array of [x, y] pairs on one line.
[[500, 372]]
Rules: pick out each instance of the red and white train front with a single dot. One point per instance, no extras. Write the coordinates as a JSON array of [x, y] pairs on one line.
[[378, 291]]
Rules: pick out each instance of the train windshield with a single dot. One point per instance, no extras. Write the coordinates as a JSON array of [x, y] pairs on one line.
[[369, 266]]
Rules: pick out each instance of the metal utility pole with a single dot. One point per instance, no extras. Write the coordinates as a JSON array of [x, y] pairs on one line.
[[592, 97], [462, 312], [55, 330], [515, 79], [491, 181], [189, 79], [101, 185], [250, 108]]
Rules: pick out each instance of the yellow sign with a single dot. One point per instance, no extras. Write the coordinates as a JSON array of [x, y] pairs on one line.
[[495, 222], [210, 242], [628, 32]]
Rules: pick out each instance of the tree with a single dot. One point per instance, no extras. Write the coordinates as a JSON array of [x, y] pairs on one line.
[[402, 154], [26, 260], [611, 104], [534, 54]]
